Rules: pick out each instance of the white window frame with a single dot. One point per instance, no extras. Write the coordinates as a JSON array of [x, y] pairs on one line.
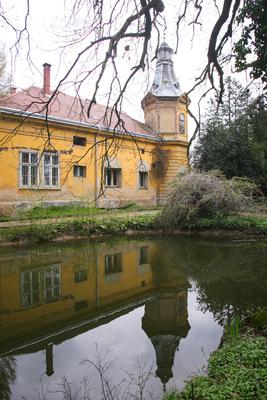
[[118, 173], [50, 166], [28, 165], [113, 263], [51, 271], [79, 168]]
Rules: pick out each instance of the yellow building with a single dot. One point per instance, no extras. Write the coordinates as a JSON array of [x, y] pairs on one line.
[[51, 152]]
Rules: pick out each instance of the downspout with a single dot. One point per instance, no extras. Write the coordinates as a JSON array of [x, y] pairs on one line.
[[96, 173]]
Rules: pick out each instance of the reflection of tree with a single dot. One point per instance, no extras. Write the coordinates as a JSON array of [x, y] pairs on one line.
[[229, 275], [7, 376]]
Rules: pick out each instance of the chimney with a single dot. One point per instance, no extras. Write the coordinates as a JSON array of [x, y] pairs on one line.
[[46, 77], [12, 90]]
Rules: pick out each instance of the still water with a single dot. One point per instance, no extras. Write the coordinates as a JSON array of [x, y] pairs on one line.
[[120, 318]]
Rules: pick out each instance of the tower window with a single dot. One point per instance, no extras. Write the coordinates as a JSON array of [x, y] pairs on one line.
[[182, 123]]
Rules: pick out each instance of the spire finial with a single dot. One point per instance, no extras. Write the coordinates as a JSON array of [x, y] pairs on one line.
[[165, 28]]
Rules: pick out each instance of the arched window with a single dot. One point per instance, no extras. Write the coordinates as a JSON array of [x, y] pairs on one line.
[[181, 123]]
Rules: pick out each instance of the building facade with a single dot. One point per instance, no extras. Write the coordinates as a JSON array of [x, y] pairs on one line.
[[51, 152]]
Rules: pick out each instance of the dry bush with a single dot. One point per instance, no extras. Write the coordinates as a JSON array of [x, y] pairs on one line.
[[196, 195]]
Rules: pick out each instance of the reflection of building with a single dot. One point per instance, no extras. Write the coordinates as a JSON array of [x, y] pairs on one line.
[[82, 287], [47, 290], [165, 320]]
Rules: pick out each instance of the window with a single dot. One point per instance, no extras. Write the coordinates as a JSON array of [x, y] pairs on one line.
[[79, 141], [79, 171], [113, 263], [28, 169], [51, 170], [51, 282], [143, 180], [112, 177], [40, 284], [80, 276], [143, 255], [30, 287], [181, 123]]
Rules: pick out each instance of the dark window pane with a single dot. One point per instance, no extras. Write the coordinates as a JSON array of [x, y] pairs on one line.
[[115, 177], [25, 158], [113, 264], [79, 171], [47, 176], [55, 159], [47, 158], [143, 255], [33, 176], [25, 174], [181, 123], [33, 158], [54, 176], [79, 141]]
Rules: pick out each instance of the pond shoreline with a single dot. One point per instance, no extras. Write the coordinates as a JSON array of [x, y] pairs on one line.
[[95, 237], [140, 224]]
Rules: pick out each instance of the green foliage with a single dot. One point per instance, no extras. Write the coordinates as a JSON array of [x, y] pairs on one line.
[[234, 138], [258, 320], [237, 370], [78, 228], [196, 196], [232, 330], [249, 224], [251, 49]]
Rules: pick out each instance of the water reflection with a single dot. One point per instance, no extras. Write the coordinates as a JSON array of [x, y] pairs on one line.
[[52, 294], [7, 376]]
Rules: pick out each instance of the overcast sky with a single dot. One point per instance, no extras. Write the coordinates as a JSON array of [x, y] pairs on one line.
[[47, 28]]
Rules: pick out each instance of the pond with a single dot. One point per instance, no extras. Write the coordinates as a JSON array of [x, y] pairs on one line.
[[122, 317]]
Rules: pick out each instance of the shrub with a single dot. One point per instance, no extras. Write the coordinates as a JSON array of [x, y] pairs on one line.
[[197, 195]]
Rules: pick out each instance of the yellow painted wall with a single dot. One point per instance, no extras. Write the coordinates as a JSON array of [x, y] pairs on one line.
[[16, 136]]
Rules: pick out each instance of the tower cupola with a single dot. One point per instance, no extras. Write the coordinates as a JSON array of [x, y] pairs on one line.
[[165, 105], [165, 83]]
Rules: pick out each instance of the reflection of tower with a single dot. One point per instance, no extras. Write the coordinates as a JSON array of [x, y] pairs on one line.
[[49, 359], [165, 323]]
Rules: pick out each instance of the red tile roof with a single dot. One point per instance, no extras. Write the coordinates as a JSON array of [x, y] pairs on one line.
[[67, 107]]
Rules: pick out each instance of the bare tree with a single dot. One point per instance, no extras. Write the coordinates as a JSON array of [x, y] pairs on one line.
[[96, 32]]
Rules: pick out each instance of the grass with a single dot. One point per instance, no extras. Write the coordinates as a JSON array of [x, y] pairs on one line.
[[40, 212]]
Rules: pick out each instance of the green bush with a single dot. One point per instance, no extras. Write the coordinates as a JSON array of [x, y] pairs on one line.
[[196, 195]]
